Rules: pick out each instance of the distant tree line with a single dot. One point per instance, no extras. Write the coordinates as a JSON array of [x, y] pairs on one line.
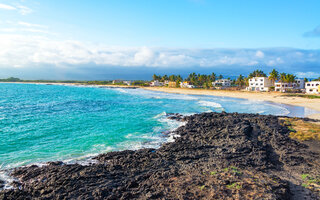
[[200, 80], [205, 81]]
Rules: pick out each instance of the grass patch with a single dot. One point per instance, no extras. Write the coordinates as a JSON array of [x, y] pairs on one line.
[[302, 130], [234, 186], [213, 173], [308, 181], [202, 187], [308, 96]]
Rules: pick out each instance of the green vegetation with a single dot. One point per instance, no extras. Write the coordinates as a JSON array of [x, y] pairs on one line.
[[302, 130], [13, 79], [205, 81], [213, 173], [140, 83], [309, 180], [308, 96], [234, 185], [202, 187], [274, 75], [318, 79], [257, 73], [287, 78], [197, 80]]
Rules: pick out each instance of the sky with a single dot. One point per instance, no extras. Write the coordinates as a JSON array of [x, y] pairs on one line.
[[132, 39]]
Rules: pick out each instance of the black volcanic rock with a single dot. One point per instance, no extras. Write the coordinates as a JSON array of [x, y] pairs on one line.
[[218, 156]]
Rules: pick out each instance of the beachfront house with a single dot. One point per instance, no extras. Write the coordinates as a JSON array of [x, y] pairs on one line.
[[116, 81], [127, 82], [222, 83], [186, 84], [286, 87], [313, 87], [259, 84], [156, 83], [172, 84]]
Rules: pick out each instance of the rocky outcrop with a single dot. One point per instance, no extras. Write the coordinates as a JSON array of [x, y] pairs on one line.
[[218, 156]]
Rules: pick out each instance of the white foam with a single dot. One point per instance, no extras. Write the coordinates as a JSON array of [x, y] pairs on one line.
[[283, 111], [210, 104], [8, 180], [121, 90], [160, 115]]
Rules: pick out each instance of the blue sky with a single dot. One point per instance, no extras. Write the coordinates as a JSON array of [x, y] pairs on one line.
[[80, 39]]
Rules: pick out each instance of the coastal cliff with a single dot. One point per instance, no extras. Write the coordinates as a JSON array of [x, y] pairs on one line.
[[217, 156]]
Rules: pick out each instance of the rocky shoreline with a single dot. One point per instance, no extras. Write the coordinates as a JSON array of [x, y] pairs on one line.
[[218, 156]]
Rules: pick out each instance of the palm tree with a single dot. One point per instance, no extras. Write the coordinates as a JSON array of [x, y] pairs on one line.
[[287, 78], [283, 77], [290, 78], [240, 81], [213, 77], [165, 77], [220, 77], [273, 75], [257, 73]]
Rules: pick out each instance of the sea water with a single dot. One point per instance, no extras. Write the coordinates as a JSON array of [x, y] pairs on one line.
[[40, 123]]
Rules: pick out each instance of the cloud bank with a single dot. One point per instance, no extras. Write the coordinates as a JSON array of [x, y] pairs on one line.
[[21, 52]]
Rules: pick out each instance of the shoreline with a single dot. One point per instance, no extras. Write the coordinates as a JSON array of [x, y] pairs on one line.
[[274, 97], [262, 96]]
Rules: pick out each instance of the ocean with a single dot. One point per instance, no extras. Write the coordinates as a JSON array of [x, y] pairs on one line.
[[41, 123]]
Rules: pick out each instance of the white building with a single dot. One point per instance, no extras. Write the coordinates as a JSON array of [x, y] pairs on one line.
[[116, 81], [222, 83], [156, 83], [259, 84], [313, 87], [127, 82], [300, 84], [284, 87], [186, 84]]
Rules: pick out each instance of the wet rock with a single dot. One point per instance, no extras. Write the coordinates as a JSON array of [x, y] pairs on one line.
[[1, 184], [175, 116]]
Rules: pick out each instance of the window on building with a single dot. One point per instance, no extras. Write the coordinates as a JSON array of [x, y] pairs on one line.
[[308, 84]]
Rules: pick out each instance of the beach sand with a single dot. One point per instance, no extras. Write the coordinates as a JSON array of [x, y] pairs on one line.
[[265, 96]]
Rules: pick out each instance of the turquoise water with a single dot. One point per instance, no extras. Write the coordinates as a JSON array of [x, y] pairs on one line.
[[40, 123]]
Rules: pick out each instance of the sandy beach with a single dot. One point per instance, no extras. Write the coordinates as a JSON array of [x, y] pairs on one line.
[[264, 96]]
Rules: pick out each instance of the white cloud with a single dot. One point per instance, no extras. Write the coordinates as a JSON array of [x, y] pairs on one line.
[[7, 7], [34, 30], [259, 54], [23, 10], [144, 56], [307, 74], [28, 49], [26, 24]]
